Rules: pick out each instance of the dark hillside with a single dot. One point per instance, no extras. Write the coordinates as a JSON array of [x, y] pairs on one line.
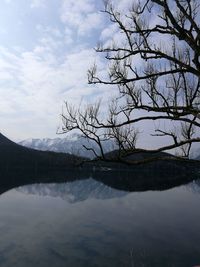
[[21, 165], [139, 155], [148, 166], [15, 157]]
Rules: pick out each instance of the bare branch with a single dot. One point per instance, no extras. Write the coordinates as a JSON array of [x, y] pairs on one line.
[[156, 70]]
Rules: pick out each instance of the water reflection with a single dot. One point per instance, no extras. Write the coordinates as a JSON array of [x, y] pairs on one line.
[[133, 180], [99, 221], [194, 186], [82, 190], [74, 192], [87, 223]]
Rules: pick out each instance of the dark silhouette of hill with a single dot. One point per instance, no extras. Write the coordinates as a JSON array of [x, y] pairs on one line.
[[138, 155], [148, 162], [14, 157], [20, 165]]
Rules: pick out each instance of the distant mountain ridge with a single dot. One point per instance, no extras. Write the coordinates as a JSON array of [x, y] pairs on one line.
[[72, 144], [14, 157]]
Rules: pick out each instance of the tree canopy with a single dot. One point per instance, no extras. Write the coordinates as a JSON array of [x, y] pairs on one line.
[[155, 66]]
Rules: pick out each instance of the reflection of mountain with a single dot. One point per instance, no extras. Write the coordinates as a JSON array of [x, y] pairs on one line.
[[74, 191], [81, 190], [142, 179], [194, 186], [133, 180]]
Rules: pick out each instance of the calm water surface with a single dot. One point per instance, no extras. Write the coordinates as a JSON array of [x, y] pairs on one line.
[[86, 223]]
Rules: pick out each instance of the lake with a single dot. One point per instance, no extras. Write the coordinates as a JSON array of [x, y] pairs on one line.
[[87, 223]]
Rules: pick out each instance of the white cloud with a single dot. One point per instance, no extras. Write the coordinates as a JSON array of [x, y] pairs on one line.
[[68, 36], [124, 5], [53, 31], [34, 87], [35, 83], [82, 15], [4, 75], [108, 32], [92, 21], [37, 3]]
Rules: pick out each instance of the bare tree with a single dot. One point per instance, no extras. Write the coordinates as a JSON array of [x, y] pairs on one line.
[[163, 38]]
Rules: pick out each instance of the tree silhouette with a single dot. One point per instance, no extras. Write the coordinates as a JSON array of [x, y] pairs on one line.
[[155, 66]]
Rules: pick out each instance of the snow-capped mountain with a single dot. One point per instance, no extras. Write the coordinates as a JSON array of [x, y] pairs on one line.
[[71, 144]]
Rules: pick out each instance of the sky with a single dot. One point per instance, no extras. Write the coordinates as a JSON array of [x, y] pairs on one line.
[[46, 48]]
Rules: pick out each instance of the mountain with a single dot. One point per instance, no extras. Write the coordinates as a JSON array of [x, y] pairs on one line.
[[14, 157], [72, 144], [21, 165], [139, 155]]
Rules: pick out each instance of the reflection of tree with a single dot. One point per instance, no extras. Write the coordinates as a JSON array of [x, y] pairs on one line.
[[163, 87]]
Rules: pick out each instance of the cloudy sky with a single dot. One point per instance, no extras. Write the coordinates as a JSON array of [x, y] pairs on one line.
[[46, 48]]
